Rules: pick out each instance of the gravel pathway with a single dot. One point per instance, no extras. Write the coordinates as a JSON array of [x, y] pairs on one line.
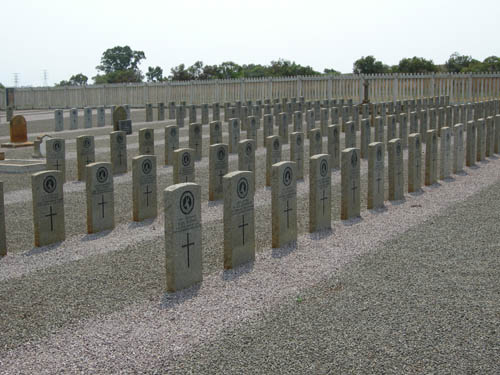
[[159, 333]]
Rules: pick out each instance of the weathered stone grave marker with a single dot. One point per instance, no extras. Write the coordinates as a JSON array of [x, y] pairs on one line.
[[396, 170], [431, 155], [101, 116], [161, 111], [375, 175], [334, 145], [284, 204], [320, 202], [196, 140], [171, 143], [246, 156], [414, 163], [365, 137], [179, 116], [445, 164], [192, 114], [73, 118], [470, 159], [58, 120], [119, 114], [350, 134], [481, 140], [268, 127], [85, 154], [118, 151], [350, 184], [204, 114], [56, 156], [283, 127], [87, 117], [458, 148], [217, 168], [297, 153], [273, 155], [48, 207], [234, 135], [183, 256], [100, 197], [239, 219], [215, 132], [183, 170], [144, 187]]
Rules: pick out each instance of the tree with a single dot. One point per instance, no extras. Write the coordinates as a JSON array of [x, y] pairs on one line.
[[457, 63], [179, 73], [331, 71], [491, 64], [120, 64], [415, 65], [369, 65], [285, 68], [1, 86], [154, 74], [79, 79]]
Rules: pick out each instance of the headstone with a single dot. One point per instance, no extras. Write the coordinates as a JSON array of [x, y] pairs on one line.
[[183, 257], [101, 116], [445, 164], [215, 132], [18, 129], [171, 110], [146, 141], [85, 154], [297, 121], [267, 127], [171, 143], [196, 140], [243, 117], [334, 145], [127, 111], [56, 156], [283, 127], [87, 117], [234, 135], [252, 128], [118, 149], [100, 197], [490, 137], [239, 219], [217, 168], [481, 140], [232, 113], [315, 142], [179, 116], [350, 184], [215, 112], [227, 105], [289, 112], [149, 112], [365, 137], [345, 116], [458, 148], [144, 189], [284, 204], [350, 134], [497, 134], [119, 114], [273, 155], [204, 114], [391, 128], [183, 170], [413, 123], [379, 129], [375, 175], [161, 111], [297, 152], [320, 195], [48, 207], [470, 157], [310, 122], [431, 154], [396, 170], [192, 114], [323, 120], [403, 129], [335, 116], [125, 126], [423, 123], [414, 163], [246, 156], [59, 120], [317, 109], [3, 232], [73, 118]]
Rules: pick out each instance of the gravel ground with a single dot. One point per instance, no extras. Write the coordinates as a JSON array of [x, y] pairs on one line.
[[105, 311]]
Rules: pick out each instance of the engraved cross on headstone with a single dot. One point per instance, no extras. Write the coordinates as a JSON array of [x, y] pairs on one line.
[[51, 215], [146, 193], [187, 245], [242, 226], [102, 203], [323, 201], [288, 209], [354, 187]]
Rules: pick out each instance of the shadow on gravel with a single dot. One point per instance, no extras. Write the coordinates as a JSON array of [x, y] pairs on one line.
[[41, 250], [475, 166], [351, 222], [140, 224], [95, 236], [220, 202], [284, 251], [463, 173], [449, 179], [320, 234], [378, 211], [437, 185], [417, 193], [169, 300], [230, 275]]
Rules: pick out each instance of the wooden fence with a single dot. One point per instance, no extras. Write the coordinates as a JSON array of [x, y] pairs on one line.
[[384, 87]]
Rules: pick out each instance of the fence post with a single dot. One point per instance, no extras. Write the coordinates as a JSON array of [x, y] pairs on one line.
[[270, 88]]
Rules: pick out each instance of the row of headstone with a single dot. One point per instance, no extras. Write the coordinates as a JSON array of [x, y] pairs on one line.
[[73, 118]]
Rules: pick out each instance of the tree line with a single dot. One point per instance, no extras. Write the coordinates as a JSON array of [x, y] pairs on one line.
[[121, 65]]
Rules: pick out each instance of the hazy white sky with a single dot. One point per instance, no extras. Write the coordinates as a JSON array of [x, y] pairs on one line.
[[66, 37]]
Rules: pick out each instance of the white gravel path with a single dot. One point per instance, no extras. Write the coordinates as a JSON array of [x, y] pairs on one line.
[[144, 335]]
